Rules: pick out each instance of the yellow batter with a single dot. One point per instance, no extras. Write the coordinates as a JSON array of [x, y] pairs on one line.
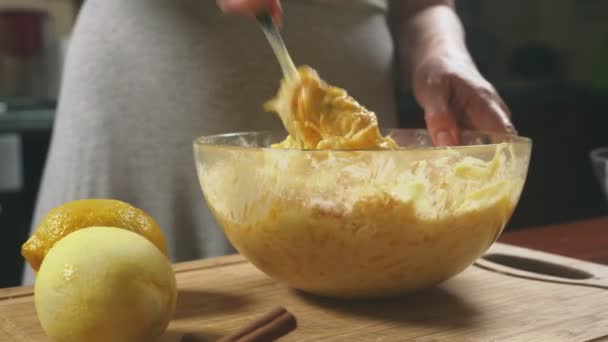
[[358, 223], [320, 116]]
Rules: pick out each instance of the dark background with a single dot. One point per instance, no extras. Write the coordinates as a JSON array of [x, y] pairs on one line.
[[548, 59]]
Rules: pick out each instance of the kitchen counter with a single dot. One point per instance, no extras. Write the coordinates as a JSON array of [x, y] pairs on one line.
[[583, 239]]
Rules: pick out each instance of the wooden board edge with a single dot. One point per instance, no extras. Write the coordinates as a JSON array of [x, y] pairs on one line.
[[16, 292], [588, 266]]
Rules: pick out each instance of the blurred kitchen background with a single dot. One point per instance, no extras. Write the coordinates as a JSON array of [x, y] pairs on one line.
[[548, 58]]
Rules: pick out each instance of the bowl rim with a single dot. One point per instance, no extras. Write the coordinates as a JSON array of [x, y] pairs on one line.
[[203, 141]]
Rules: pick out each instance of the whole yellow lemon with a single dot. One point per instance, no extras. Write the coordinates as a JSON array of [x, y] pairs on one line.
[[105, 284], [84, 213]]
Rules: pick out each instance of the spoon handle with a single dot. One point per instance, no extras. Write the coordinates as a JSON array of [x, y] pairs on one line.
[[278, 46]]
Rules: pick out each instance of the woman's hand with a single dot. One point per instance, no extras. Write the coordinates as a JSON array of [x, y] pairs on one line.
[[252, 7], [446, 82], [455, 96]]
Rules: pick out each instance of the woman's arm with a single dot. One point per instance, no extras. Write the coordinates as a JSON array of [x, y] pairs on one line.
[[422, 28], [434, 60]]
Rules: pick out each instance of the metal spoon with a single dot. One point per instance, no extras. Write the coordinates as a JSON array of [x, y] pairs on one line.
[[276, 43]]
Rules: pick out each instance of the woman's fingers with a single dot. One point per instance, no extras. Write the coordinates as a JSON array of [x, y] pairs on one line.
[[455, 96], [440, 118], [251, 7], [484, 109], [248, 7]]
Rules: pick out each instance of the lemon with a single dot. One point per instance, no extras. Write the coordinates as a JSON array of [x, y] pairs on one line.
[[84, 213], [105, 284]]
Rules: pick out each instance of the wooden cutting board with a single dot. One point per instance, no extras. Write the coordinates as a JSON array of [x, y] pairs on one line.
[[487, 302]]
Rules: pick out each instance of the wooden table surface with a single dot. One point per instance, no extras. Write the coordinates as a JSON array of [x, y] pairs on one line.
[[586, 240], [218, 295], [484, 303]]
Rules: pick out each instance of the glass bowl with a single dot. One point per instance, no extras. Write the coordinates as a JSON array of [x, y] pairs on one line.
[[365, 223]]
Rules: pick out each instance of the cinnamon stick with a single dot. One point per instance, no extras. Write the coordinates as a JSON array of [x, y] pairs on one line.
[[269, 327]]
